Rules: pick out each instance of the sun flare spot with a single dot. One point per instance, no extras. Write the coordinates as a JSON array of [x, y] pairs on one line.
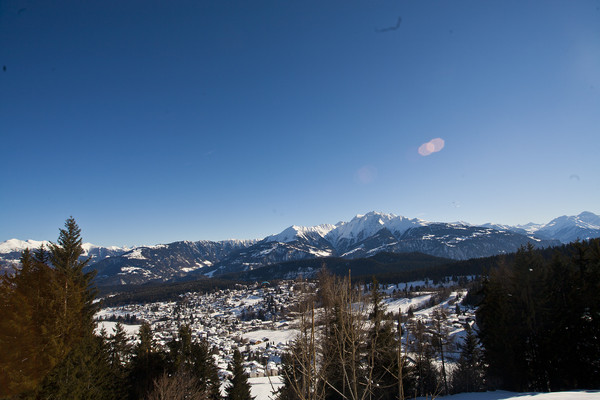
[[433, 146]]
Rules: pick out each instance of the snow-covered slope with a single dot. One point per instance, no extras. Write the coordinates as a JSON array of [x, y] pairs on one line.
[[295, 232], [566, 229], [503, 395], [17, 246], [361, 227], [570, 228], [10, 250]]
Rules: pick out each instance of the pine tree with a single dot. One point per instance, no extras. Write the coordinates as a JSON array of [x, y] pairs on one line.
[[28, 337], [424, 373], [74, 286], [539, 303], [119, 354], [239, 388], [193, 358], [147, 364], [84, 374], [180, 350], [46, 312], [468, 376], [441, 340], [497, 322], [84, 368], [41, 255], [382, 350], [205, 370]]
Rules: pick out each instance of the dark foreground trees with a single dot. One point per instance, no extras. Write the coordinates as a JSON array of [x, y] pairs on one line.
[[45, 317], [239, 388], [49, 348], [540, 320]]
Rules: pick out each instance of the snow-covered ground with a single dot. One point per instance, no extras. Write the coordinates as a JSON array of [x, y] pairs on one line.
[[109, 326], [262, 388], [395, 305], [280, 336], [502, 395]]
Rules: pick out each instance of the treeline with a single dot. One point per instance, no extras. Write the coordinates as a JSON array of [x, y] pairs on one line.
[[155, 292], [49, 348], [386, 267], [539, 319], [379, 264]]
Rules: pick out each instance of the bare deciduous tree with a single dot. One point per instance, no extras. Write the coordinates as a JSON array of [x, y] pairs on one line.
[[178, 386]]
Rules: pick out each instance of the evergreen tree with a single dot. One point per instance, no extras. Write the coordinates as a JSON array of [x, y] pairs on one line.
[[84, 374], [41, 255], [382, 350], [46, 311], [468, 376], [206, 371], [538, 303], [239, 388], [73, 285], [147, 364], [119, 355], [441, 340], [28, 333], [424, 374], [84, 370], [497, 323], [193, 358]]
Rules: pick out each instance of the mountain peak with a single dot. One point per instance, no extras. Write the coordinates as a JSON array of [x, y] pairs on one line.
[[375, 214], [295, 232], [17, 245]]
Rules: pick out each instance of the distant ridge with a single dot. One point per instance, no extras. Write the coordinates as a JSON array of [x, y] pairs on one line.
[[361, 237]]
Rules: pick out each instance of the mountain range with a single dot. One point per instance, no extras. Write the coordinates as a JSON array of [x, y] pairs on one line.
[[363, 236]]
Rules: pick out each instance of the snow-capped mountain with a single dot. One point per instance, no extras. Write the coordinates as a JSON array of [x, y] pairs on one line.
[[17, 246], [566, 229], [363, 236], [10, 250], [347, 234], [294, 233], [372, 233]]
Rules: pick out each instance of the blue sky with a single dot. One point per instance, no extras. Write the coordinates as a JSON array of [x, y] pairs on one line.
[[154, 121]]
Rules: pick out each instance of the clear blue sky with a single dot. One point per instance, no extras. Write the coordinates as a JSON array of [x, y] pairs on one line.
[[157, 121]]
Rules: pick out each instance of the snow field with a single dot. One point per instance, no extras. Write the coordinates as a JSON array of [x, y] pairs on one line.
[[109, 327], [502, 395]]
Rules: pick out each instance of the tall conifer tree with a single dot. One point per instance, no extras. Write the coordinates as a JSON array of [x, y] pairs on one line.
[[239, 388], [147, 363], [47, 311], [382, 350]]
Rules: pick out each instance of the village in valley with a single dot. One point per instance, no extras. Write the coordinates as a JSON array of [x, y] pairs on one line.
[[261, 320]]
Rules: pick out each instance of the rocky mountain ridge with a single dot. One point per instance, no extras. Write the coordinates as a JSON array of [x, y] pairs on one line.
[[363, 236]]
